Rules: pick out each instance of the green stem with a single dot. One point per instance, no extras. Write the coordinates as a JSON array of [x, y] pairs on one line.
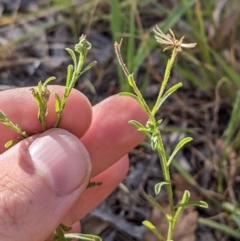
[[76, 73], [160, 147], [167, 178], [165, 80], [156, 132]]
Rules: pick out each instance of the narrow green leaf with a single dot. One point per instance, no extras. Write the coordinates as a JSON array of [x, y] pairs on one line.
[[158, 187], [221, 227], [128, 94], [155, 203], [158, 123], [40, 87], [131, 40], [116, 19], [59, 234], [87, 237], [236, 219], [58, 103], [131, 80], [185, 199], [150, 124], [10, 143], [145, 130], [176, 14], [136, 124], [37, 97], [233, 75], [73, 55], [2, 116], [133, 96], [143, 50], [167, 94], [69, 75], [151, 227], [178, 147], [89, 66], [48, 80], [201, 204], [231, 208], [154, 142]]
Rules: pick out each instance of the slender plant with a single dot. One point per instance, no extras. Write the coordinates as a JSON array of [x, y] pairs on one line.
[[151, 129], [41, 95]]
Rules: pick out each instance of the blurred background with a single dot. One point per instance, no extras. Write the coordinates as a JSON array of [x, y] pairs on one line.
[[33, 38]]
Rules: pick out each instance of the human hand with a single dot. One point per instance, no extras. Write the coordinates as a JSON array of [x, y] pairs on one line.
[[43, 178]]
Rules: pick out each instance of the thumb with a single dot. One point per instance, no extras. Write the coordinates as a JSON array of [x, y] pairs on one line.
[[40, 180]]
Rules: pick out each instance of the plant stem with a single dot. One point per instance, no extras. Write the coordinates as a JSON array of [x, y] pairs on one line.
[[165, 80], [167, 178], [161, 149], [155, 132], [76, 74]]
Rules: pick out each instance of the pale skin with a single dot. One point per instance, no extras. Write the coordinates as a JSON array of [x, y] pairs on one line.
[[104, 131]]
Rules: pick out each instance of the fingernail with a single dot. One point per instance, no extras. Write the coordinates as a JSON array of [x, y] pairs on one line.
[[62, 160]]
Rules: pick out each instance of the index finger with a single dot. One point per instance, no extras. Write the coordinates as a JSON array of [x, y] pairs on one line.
[[21, 108]]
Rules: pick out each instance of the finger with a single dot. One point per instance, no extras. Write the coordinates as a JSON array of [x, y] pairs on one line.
[[110, 136], [21, 109], [110, 122], [42, 177], [92, 197]]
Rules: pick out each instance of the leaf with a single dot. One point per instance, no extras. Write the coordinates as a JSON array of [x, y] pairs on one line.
[[128, 94], [185, 198], [167, 94], [40, 86], [48, 80], [88, 237], [59, 234], [73, 55], [154, 142], [10, 143], [69, 75], [158, 187], [133, 96], [151, 227], [2, 117], [131, 80], [158, 123], [178, 147], [136, 124], [37, 97], [200, 204], [150, 124], [236, 219], [145, 130], [89, 66], [156, 204], [221, 227], [58, 103]]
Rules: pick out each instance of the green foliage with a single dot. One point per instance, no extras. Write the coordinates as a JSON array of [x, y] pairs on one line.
[[221, 227], [5, 121], [158, 187], [151, 227], [41, 95], [178, 147], [152, 130]]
